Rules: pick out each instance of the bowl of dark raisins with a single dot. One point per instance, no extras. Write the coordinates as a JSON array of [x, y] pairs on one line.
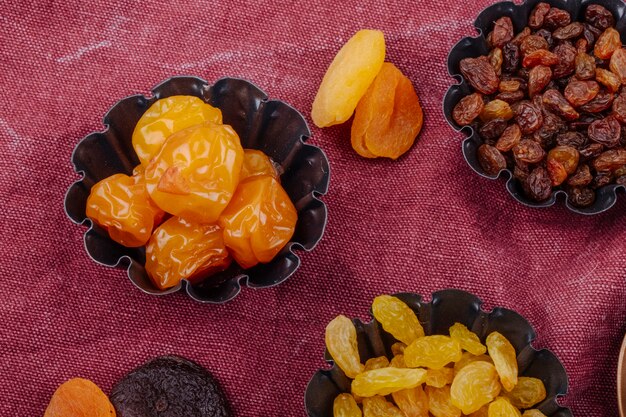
[[541, 101]]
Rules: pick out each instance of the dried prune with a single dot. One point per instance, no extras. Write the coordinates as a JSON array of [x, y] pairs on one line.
[[533, 43], [492, 130], [581, 177], [601, 102], [610, 160], [169, 386], [555, 102], [571, 31], [468, 109], [528, 151], [607, 43], [480, 74], [581, 197], [490, 159], [618, 64], [585, 66], [608, 79], [556, 18], [502, 31], [496, 109], [527, 116], [581, 92], [538, 15], [605, 131], [538, 78], [599, 16], [509, 138], [79, 397], [538, 185], [510, 57], [566, 53]]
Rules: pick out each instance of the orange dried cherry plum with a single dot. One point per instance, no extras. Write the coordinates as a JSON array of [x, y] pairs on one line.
[[195, 174], [349, 75], [257, 163], [120, 204], [259, 221], [388, 117], [167, 116], [79, 397], [179, 249]]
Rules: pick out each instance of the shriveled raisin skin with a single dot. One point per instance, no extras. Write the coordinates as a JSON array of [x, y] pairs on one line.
[[492, 130], [502, 31], [566, 53], [509, 138], [496, 109], [581, 197], [341, 343], [605, 131], [608, 79], [540, 57], [610, 160], [579, 92], [538, 78], [528, 151], [607, 43], [538, 15], [397, 318], [585, 66], [601, 102], [581, 177], [618, 64], [490, 159], [528, 117], [571, 31], [538, 184], [345, 406], [480, 74], [556, 18], [533, 43], [510, 57], [555, 102], [599, 17], [468, 109]]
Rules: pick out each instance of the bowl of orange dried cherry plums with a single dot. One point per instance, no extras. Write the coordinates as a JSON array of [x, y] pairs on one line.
[[447, 357], [542, 100], [200, 187]]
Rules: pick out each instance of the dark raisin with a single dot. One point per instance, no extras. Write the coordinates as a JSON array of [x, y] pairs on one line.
[[538, 15], [581, 177], [571, 31], [581, 197], [480, 74], [511, 97], [566, 53], [581, 92], [502, 32], [619, 108], [621, 180], [574, 139], [511, 57], [547, 36], [601, 179], [528, 151], [601, 102], [527, 116], [599, 17], [591, 151], [538, 184], [605, 131], [532, 44], [556, 18], [493, 129], [468, 109], [556, 103], [585, 66], [490, 159], [610, 160]]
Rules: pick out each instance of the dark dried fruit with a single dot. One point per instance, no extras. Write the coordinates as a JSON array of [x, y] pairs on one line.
[[538, 78], [496, 109], [495, 58], [468, 109], [582, 45], [581, 197], [480, 74], [547, 36], [599, 17], [619, 108], [585, 66], [509, 86], [532, 44], [521, 171], [574, 139], [618, 64], [509, 138], [528, 151], [520, 36], [581, 92], [556, 18], [571, 31], [556, 103], [591, 151], [581, 177], [605, 132], [538, 15], [566, 53], [567, 156], [610, 160], [538, 184], [492, 130], [601, 179], [169, 386], [621, 180], [490, 159], [511, 97], [502, 32], [527, 116], [600, 103], [510, 57], [607, 43], [608, 79], [556, 172]]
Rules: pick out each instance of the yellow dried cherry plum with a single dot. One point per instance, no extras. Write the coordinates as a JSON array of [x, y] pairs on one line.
[[349, 75], [167, 116], [259, 221], [397, 318], [432, 352], [379, 407], [387, 380], [79, 397], [468, 358], [389, 116], [528, 392], [476, 385], [342, 345], [346, 406], [179, 249], [501, 407], [412, 402], [533, 413], [196, 172], [468, 340], [439, 402], [398, 361], [120, 205], [504, 358], [439, 377], [257, 163], [376, 363]]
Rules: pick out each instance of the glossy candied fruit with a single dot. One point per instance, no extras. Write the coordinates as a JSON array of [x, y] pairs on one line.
[[397, 318], [257, 163], [259, 221], [167, 116], [196, 172], [341, 343], [179, 249], [79, 397], [349, 75]]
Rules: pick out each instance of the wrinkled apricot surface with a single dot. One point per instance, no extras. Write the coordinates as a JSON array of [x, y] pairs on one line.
[[389, 116], [79, 397], [349, 75]]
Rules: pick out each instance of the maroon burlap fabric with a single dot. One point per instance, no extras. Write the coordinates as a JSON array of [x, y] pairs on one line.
[[423, 223]]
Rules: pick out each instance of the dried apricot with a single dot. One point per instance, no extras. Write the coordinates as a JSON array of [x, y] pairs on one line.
[[468, 340], [79, 397], [389, 117], [342, 345], [348, 77], [504, 358], [501, 407], [345, 406], [412, 402], [397, 318], [474, 386], [433, 352], [387, 380], [439, 402], [379, 407], [528, 392]]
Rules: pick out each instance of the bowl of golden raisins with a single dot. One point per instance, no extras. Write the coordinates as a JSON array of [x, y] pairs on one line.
[[200, 187], [447, 357], [542, 101]]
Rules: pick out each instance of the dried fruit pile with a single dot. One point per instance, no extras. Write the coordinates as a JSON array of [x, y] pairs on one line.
[[549, 103], [387, 113], [219, 201], [446, 376]]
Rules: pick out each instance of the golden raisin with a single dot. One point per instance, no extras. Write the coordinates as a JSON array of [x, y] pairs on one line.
[[376, 363], [387, 380], [528, 392], [345, 406], [468, 358], [439, 377], [533, 413], [379, 407], [79, 397], [398, 348], [439, 402], [398, 361], [412, 402], [397, 318], [501, 407], [608, 42], [342, 345], [468, 340], [474, 386], [496, 109], [349, 75], [504, 358], [433, 352]]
